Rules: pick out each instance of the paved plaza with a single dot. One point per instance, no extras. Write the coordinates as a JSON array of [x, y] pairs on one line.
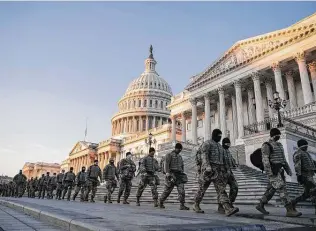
[[99, 216]]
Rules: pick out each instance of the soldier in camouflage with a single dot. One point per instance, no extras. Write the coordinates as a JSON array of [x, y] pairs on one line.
[[40, 185], [127, 171], [94, 172], [60, 188], [51, 186], [305, 168], [20, 180], [175, 176], [230, 164], [148, 169], [213, 170], [45, 185], [32, 187], [80, 184], [274, 162], [110, 174], [68, 183], [28, 188]]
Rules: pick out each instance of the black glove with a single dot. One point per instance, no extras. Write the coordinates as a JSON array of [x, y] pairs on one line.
[[299, 179]]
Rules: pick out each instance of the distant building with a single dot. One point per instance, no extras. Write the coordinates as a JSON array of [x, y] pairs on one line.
[[5, 179], [39, 168], [65, 165]]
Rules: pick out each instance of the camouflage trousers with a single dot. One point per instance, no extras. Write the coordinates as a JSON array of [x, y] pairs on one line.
[[68, 186], [80, 188], [19, 190], [91, 187], [50, 189], [110, 186], [276, 184], [170, 182], [59, 190], [32, 191], [41, 191], [233, 187], [309, 190], [125, 186], [147, 180], [219, 177]]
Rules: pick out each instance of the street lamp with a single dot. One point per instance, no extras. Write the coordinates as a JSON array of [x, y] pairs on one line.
[[149, 141], [277, 104]]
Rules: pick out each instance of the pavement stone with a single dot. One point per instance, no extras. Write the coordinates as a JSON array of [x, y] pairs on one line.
[[98, 216], [12, 220]]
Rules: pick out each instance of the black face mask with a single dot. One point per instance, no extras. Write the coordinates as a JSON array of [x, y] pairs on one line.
[[217, 138], [111, 162], [83, 170], [226, 146], [304, 148], [276, 138]]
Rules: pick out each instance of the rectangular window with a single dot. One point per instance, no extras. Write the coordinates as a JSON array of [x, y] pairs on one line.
[[156, 104], [144, 125], [145, 103], [161, 105], [189, 126], [139, 103], [150, 103]]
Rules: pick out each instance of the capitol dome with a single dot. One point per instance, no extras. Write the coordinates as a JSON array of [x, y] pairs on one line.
[[144, 104]]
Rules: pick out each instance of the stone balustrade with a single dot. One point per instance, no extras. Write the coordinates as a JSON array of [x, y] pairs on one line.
[[299, 111]]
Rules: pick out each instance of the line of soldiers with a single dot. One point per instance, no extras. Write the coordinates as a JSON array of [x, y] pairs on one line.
[[214, 165], [14, 188]]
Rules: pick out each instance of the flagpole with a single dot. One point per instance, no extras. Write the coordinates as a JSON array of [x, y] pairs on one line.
[[86, 131]]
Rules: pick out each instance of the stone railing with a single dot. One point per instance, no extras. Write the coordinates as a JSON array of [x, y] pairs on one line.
[[306, 109], [170, 145]]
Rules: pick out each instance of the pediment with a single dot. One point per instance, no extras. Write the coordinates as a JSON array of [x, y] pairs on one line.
[[79, 146], [247, 50]]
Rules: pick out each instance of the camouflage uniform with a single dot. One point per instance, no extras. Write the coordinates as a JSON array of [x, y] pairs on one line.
[[305, 167], [110, 172], [213, 170], [51, 186], [32, 188], [230, 164], [59, 188], [28, 188], [68, 183], [20, 180], [93, 173], [80, 185], [173, 167], [148, 169], [127, 171]]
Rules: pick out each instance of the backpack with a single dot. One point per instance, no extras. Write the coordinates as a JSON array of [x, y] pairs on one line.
[[256, 157]]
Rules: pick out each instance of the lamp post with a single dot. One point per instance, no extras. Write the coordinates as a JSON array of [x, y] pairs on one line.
[[277, 104], [149, 141]]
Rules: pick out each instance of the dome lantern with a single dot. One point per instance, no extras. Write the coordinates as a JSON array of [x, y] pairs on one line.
[[150, 62]]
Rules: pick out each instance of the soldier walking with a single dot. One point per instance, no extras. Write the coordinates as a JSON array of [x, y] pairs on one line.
[[80, 184], [40, 185], [274, 163], [94, 172], [213, 170], [45, 185], [110, 174], [148, 168], [20, 180], [32, 187], [230, 164], [127, 172], [51, 186], [305, 168], [175, 176], [68, 183], [28, 188], [60, 188]]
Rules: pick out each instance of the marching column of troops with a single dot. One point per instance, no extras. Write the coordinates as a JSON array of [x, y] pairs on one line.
[[214, 165]]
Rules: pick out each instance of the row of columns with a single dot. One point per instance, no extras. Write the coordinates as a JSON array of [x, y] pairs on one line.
[[135, 124], [79, 162], [256, 114]]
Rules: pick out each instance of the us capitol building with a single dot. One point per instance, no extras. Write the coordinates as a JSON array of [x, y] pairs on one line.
[[236, 94]]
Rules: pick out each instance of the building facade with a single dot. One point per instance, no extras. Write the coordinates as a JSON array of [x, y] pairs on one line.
[[234, 92], [39, 168]]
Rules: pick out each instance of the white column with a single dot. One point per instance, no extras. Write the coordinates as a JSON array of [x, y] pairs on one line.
[[239, 109], [147, 123], [312, 70], [251, 107], [173, 128], [306, 87], [154, 122], [194, 121], [184, 128], [222, 111], [278, 79], [207, 121], [234, 115], [258, 97], [140, 123], [291, 89], [218, 117], [268, 83]]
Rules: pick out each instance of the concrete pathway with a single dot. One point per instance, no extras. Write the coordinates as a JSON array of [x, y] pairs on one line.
[[100, 216]]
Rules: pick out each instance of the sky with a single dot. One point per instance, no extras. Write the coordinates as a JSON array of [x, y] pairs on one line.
[[61, 62]]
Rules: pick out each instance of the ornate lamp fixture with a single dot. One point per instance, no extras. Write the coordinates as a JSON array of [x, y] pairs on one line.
[[150, 140], [277, 104]]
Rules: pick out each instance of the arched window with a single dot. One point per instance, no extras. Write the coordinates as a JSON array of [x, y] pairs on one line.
[[134, 103], [161, 104], [156, 103]]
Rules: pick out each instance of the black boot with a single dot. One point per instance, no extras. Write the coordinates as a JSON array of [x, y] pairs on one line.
[[183, 207], [196, 208], [137, 201], [220, 209], [291, 211], [105, 198], [161, 205], [92, 199], [155, 203], [261, 209], [230, 210]]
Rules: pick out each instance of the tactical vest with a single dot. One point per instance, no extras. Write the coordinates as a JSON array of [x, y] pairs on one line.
[[307, 163], [70, 176], [110, 172], [277, 155], [176, 162], [81, 177], [216, 153], [94, 172], [53, 180], [60, 177], [150, 164], [228, 159]]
